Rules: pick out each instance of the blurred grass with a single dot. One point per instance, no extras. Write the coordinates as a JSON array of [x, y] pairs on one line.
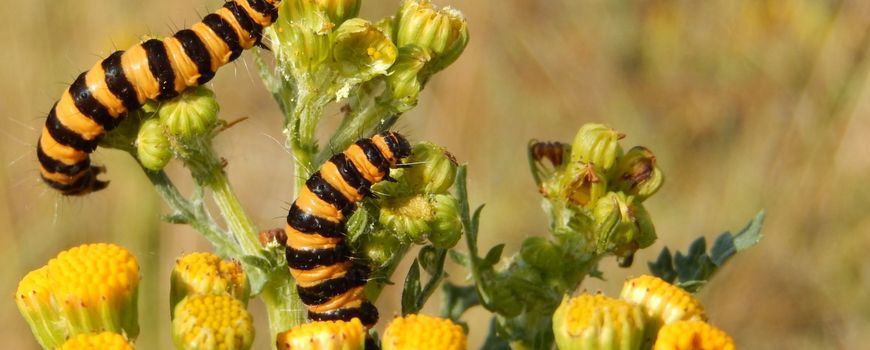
[[748, 104]]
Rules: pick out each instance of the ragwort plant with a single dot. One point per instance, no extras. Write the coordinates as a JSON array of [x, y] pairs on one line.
[[319, 53]]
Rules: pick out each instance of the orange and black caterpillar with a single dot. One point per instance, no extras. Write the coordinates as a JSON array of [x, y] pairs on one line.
[[154, 70], [328, 280]]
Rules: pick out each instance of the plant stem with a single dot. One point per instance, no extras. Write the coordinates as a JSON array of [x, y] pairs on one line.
[[231, 210], [283, 306]]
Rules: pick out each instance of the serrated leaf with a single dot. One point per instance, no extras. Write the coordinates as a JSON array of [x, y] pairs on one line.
[[411, 290], [257, 262], [493, 256], [723, 249], [663, 267], [459, 258], [751, 234]]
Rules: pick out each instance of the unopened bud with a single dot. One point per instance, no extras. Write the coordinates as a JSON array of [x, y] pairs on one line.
[[324, 335], [212, 322], [436, 170], [152, 146], [691, 335], [596, 144], [443, 32], [404, 76], [596, 322], [621, 225], [637, 174], [446, 227], [206, 273], [380, 247], [340, 10], [416, 331], [190, 115], [94, 341]]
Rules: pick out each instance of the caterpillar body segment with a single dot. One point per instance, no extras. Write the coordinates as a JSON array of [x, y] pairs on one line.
[[99, 98], [329, 281]]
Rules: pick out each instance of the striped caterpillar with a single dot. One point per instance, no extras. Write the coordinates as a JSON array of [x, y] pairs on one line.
[[154, 70], [329, 282]]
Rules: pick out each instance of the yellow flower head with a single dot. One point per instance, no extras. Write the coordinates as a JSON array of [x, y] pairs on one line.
[[592, 322], [206, 273], [662, 300], [89, 288], [97, 341], [212, 322], [692, 335], [324, 335], [423, 332]]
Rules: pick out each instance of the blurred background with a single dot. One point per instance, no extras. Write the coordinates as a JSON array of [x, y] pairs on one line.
[[748, 104]]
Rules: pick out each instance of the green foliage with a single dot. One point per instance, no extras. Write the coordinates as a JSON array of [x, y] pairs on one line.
[[695, 268]]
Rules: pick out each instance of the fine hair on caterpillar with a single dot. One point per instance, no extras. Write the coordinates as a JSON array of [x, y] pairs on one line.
[[329, 279], [100, 97]]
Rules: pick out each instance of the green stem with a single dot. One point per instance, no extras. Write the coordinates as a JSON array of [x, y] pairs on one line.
[[239, 223], [190, 213], [469, 225], [283, 306]]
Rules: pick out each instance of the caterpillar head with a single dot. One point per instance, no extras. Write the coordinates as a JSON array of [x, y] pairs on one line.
[[398, 144]]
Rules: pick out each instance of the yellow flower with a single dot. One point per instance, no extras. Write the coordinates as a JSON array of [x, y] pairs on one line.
[[206, 273], [692, 335], [421, 332], [662, 300], [97, 341], [92, 287], [597, 322], [324, 335], [212, 322]]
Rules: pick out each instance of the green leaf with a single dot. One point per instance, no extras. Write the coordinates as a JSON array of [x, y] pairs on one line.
[[750, 235], [428, 258], [493, 256], [411, 290], [257, 262], [457, 300], [493, 340], [459, 258], [663, 267]]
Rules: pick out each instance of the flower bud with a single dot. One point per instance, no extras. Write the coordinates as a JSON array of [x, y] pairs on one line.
[[596, 322], [542, 253], [408, 217], [362, 50], [92, 287], [661, 300], [192, 114], [206, 273], [436, 171], [102, 341], [636, 173], [621, 226], [299, 49], [380, 247], [324, 335], [152, 147], [417, 331], [596, 144], [583, 184], [310, 15], [443, 32], [340, 10], [404, 76], [690, 335], [212, 322], [446, 228]]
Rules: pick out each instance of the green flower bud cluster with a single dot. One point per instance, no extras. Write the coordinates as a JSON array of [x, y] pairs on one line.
[[599, 192], [157, 133]]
